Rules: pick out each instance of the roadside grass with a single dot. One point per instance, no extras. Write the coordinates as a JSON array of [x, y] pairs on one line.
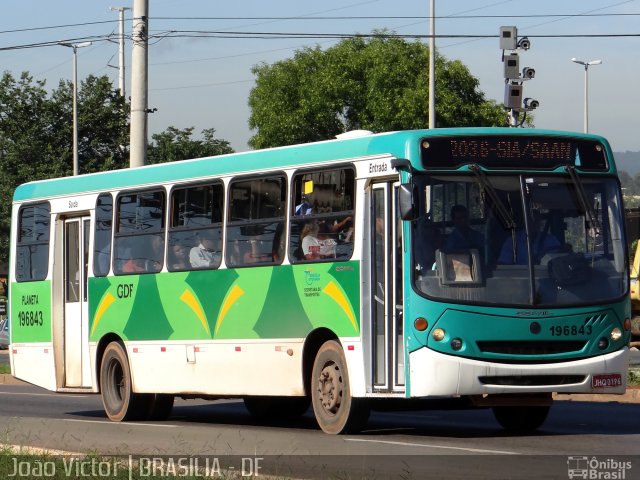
[[633, 378], [5, 368]]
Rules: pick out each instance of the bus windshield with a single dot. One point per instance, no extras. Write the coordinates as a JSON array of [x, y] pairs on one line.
[[519, 239]]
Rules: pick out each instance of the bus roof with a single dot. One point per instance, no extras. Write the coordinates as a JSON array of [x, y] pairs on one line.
[[398, 144]]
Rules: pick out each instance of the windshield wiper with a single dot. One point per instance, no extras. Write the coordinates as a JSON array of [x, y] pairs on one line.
[[505, 217], [584, 200]]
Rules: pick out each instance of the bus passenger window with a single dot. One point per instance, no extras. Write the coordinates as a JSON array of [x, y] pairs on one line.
[[103, 230], [256, 221], [32, 250], [195, 233], [139, 236], [322, 226]]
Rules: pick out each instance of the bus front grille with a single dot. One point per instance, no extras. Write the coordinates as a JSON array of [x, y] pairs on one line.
[[530, 347], [532, 380]]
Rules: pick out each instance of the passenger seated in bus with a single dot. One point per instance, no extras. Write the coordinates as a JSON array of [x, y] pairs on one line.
[[542, 242], [155, 256], [343, 228], [310, 242], [255, 254], [463, 237], [204, 255], [327, 243], [133, 265], [179, 257], [304, 208]]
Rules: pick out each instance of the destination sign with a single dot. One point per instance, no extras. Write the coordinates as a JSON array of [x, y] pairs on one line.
[[513, 152]]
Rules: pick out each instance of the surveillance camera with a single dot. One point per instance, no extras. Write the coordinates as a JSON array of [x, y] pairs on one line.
[[524, 43], [531, 103], [528, 72], [508, 37]]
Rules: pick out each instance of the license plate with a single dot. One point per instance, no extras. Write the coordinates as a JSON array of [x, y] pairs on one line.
[[610, 380]]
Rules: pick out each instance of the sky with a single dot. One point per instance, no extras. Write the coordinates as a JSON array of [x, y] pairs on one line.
[[205, 82]]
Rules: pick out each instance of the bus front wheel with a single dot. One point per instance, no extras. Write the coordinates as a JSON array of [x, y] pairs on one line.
[[521, 419], [336, 411], [118, 398]]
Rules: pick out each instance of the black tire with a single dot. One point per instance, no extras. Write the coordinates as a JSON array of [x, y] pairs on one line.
[[119, 401], [262, 407], [521, 419], [161, 406], [335, 410]]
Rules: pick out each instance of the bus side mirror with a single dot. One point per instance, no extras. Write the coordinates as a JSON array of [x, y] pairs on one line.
[[406, 202]]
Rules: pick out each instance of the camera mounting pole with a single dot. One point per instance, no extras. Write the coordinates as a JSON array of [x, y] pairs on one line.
[[514, 78]]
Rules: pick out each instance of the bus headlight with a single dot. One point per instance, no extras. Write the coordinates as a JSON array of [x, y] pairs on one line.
[[456, 343], [615, 334], [438, 334], [603, 343]]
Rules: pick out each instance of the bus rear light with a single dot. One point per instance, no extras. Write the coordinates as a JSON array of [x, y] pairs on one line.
[[438, 334], [615, 334], [627, 324], [420, 324]]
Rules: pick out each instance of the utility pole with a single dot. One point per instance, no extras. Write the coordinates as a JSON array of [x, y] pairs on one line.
[[139, 83], [432, 67], [121, 66]]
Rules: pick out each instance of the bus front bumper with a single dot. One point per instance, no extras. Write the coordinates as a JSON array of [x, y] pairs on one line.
[[436, 374]]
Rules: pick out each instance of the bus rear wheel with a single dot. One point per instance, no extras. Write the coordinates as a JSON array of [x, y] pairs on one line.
[[336, 411], [118, 398], [521, 419]]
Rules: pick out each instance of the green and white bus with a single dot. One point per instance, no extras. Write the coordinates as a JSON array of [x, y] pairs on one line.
[[472, 267]]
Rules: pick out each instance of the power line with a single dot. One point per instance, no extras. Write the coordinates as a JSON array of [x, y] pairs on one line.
[[53, 27], [55, 43], [301, 35], [333, 18], [317, 35], [407, 17]]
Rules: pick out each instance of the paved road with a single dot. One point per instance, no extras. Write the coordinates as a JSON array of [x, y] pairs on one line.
[[448, 444]]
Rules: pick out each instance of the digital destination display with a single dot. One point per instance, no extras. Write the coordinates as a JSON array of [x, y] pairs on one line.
[[513, 152]]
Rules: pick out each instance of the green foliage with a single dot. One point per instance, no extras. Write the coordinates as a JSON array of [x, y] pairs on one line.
[[174, 144], [36, 136], [378, 84]]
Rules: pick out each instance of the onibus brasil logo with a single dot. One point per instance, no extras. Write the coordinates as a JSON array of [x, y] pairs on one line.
[[595, 468]]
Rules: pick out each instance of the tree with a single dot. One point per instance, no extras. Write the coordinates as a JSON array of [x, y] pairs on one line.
[[36, 136], [174, 144], [377, 84], [628, 185]]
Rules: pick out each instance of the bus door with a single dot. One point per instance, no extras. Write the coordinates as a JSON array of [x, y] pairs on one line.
[[76, 333], [386, 284]]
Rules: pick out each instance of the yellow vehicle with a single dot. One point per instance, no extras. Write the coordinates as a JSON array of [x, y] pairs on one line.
[[635, 295]]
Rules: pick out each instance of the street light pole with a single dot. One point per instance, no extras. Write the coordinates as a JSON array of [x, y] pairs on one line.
[[432, 66], [121, 66], [75, 47], [586, 88]]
